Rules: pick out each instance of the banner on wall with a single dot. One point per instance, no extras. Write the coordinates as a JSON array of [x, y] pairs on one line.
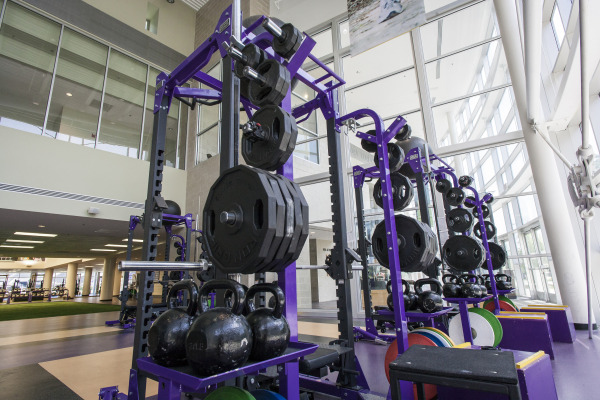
[[373, 22]]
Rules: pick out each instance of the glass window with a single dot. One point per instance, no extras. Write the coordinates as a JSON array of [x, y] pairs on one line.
[[172, 133], [120, 129], [28, 44], [344, 35], [182, 141], [459, 30], [77, 92], [324, 44], [557, 26], [207, 144], [149, 118], [397, 54]]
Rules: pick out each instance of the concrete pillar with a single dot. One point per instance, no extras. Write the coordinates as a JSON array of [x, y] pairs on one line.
[[71, 281], [551, 194], [108, 276], [87, 281], [117, 282], [48, 273]]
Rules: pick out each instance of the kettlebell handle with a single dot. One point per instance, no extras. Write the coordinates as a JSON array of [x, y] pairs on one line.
[[272, 288], [465, 278], [388, 286], [503, 277], [405, 287], [238, 298], [428, 281], [449, 278], [190, 286]]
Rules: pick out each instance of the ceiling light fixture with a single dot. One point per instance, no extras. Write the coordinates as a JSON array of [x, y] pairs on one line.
[[69, 94], [41, 226], [24, 241], [36, 234], [135, 240], [116, 245], [102, 250], [16, 247]]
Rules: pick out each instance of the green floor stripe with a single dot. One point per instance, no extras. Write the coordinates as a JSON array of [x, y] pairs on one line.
[[11, 312]]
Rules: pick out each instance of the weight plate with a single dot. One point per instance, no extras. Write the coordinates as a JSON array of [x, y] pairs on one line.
[[467, 204], [429, 335], [442, 334], [490, 230], [292, 206], [443, 185], [509, 301], [367, 146], [490, 199], [463, 253], [494, 322], [303, 223], [481, 329], [262, 394], [395, 157], [417, 244], [408, 145], [484, 209], [280, 232], [276, 84], [230, 393], [404, 133], [402, 191], [490, 305], [280, 131], [392, 354], [289, 42], [465, 180], [459, 220], [239, 219], [455, 197]]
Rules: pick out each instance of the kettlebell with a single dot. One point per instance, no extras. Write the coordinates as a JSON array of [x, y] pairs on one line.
[[248, 307], [220, 339], [390, 300], [166, 338], [270, 330], [431, 300], [482, 285], [503, 282], [468, 288], [410, 298], [486, 281], [451, 287]]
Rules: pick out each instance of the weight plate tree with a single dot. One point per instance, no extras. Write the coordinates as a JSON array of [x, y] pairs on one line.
[[417, 244]]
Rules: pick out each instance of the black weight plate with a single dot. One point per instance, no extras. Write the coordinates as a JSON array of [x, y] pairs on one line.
[[455, 197], [279, 127], [291, 145], [277, 84], [467, 204], [409, 144], [498, 255], [289, 225], [395, 157], [443, 185], [465, 180], [402, 191], [463, 253], [459, 220], [417, 244], [290, 41], [304, 222], [484, 210], [404, 133], [281, 228], [237, 247], [370, 147], [490, 230], [490, 200]]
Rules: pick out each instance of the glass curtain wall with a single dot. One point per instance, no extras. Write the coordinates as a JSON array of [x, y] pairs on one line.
[[62, 84]]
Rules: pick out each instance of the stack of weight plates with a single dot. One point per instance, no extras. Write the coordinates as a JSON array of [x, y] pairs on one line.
[[506, 304], [485, 328], [438, 337]]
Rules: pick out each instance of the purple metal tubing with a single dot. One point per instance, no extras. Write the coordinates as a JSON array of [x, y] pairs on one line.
[[325, 387], [300, 55], [191, 383], [208, 80], [252, 27], [390, 226], [196, 93]]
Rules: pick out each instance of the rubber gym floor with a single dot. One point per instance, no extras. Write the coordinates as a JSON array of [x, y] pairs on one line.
[[73, 356]]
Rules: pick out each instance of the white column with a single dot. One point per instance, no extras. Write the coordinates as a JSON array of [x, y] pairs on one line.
[[551, 194], [48, 273], [117, 283], [87, 281], [108, 276], [71, 279]]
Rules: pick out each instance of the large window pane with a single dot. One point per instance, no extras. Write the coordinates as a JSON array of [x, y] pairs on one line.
[[183, 131], [458, 30], [121, 126], [467, 72], [149, 121], [77, 93], [397, 54], [171, 136], [28, 44], [207, 144]]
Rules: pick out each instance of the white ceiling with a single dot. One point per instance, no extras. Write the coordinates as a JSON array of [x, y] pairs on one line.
[[195, 4]]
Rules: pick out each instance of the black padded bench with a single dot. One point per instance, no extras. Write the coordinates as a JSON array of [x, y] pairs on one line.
[[316, 364], [483, 370]]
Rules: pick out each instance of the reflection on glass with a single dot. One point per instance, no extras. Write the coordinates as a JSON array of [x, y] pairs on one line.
[[397, 54], [28, 44], [77, 93], [149, 119], [459, 30], [120, 129], [208, 143], [324, 44]]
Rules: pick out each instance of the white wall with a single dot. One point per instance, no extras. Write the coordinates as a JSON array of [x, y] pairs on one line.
[[306, 14]]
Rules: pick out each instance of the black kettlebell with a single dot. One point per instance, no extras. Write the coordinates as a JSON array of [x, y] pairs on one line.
[[468, 288], [451, 287], [248, 307], [410, 299], [390, 300], [270, 330], [220, 339], [503, 282], [166, 338], [431, 300], [486, 281]]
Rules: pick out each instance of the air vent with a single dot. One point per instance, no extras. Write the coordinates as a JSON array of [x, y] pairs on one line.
[[69, 196]]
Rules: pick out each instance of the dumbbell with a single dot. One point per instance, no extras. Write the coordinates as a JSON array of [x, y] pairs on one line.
[[269, 83], [286, 40]]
